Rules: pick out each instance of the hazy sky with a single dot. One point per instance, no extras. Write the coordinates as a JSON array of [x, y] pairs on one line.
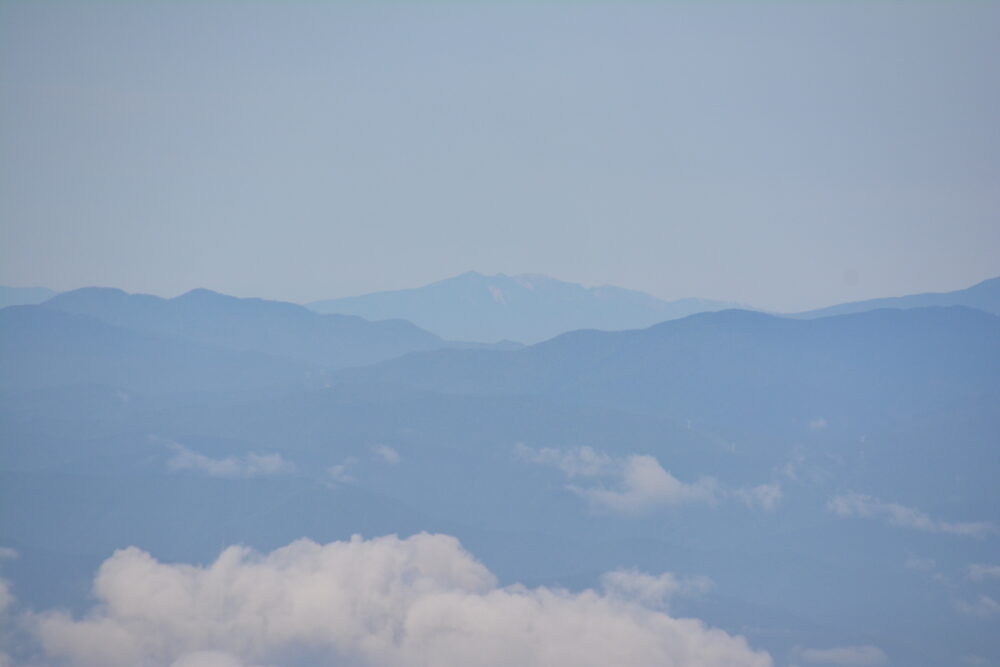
[[785, 154]]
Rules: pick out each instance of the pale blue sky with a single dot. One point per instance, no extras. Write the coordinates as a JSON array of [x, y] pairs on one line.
[[787, 155]]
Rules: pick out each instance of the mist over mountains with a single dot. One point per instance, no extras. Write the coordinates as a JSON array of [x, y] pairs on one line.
[[818, 490]]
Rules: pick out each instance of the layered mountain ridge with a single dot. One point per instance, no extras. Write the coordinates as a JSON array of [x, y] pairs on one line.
[[526, 308]]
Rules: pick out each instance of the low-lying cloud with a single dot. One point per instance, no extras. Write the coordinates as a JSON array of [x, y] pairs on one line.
[[860, 505], [984, 605], [625, 484], [982, 572], [386, 454], [415, 602], [763, 496], [251, 465], [653, 591], [637, 482]]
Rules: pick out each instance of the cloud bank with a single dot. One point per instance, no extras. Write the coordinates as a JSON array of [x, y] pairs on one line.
[[415, 602], [251, 465], [857, 504]]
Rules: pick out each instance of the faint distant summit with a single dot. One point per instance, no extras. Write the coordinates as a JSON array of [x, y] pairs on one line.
[[24, 296], [984, 296], [527, 307]]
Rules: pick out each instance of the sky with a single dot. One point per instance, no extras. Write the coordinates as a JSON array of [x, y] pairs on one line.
[[784, 155]]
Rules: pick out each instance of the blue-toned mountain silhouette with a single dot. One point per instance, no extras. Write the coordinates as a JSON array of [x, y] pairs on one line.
[[984, 296], [24, 296], [275, 328], [524, 308], [898, 405]]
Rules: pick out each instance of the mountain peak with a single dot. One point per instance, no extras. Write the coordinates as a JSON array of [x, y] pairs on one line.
[[202, 294], [527, 307]]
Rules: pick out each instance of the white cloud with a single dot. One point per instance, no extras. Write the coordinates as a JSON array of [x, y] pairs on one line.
[[653, 591], [764, 496], [340, 472], [386, 454], [846, 656], [920, 564], [791, 468], [576, 462], [857, 504], [631, 483], [817, 424], [638, 482], [416, 602], [984, 605], [981, 572], [6, 553], [251, 465], [6, 597], [643, 483]]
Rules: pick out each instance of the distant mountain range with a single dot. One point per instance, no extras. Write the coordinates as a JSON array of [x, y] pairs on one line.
[[713, 445], [899, 405], [730, 368], [43, 347], [23, 296], [199, 339], [984, 296], [277, 328], [523, 308], [469, 307]]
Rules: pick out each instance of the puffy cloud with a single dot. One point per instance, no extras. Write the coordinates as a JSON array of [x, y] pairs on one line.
[[764, 496], [390, 602], [857, 504], [643, 483], [251, 465], [638, 482], [627, 484], [386, 454], [846, 656], [653, 590], [983, 606], [341, 472], [6, 553], [576, 462], [981, 572]]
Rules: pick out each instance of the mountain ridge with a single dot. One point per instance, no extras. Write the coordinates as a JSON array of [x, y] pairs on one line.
[[525, 307], [276, 328], [984, 295]]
